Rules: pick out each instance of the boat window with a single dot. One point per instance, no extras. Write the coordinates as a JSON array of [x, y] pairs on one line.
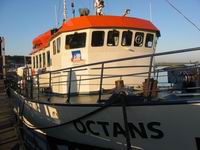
[[113, 38], [149, 40], [58, 45], [127, 38], [40, 61], [54, 47], [36, 61], [77, 40], [33, 61], [43, 58], [48, 59], [139, 38], [98, 38]]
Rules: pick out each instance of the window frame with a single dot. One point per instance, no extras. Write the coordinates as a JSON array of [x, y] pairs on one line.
[[72, 37], [58, 44], [93, 44], [139, 44], [126, 33], [34, 62], [112, 41], [43, 60], [152, 40], [54, 47], [48, 58], [40, 61]]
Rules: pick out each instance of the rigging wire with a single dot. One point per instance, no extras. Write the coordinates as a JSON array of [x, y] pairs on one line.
[[183, 15], [60, 12]]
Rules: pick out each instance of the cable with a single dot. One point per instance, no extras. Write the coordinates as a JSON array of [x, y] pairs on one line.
[[183, 15], [69, 122]]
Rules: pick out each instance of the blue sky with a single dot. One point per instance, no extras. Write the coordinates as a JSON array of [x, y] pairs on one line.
[[23, 20]]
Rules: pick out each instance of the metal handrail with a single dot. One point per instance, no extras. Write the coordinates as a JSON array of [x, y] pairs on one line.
[[130, 58], [101, 66]]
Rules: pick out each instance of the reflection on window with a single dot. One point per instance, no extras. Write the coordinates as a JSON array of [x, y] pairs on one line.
[[54, 47], [77, 40], [48, 59], [113, 38], [58, 45], [97, 38], [43, 58], [149, 40], [139, 38], [127, 38]]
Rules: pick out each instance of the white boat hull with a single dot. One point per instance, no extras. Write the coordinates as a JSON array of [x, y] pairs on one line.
[[152, 127]]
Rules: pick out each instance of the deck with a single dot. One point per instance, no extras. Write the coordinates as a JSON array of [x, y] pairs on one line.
[[9, 130]]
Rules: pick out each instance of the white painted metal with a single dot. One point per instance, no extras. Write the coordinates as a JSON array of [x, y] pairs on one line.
[[163, 127]]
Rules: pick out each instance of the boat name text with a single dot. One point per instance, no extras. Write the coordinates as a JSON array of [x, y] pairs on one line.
[[115, 129]]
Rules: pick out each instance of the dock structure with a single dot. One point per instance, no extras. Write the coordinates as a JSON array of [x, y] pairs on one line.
[[9, 131]]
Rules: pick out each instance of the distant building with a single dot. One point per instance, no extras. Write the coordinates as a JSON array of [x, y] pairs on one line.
[[13, 62], [2, 57], [9, 64]]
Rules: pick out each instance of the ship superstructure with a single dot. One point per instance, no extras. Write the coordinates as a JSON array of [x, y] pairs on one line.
[[89, 39]]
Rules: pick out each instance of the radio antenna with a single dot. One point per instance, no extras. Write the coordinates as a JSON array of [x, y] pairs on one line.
[[65, 11], [73, 10], [56, 17]]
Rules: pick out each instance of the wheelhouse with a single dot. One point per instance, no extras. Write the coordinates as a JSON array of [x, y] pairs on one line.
[[90, 39]]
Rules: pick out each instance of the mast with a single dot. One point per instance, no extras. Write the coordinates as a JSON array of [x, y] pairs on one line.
[[73, 10], [56, 17], [65, 11], [150, 11]]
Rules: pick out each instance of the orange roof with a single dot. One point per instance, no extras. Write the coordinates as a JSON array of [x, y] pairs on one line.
[[86, 22], [107, 22], [41, 41]]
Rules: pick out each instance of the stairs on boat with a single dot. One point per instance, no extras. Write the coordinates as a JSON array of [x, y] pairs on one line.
[[9, 131]]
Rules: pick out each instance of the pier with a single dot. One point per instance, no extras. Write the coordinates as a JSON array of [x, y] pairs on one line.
[[9, 130]]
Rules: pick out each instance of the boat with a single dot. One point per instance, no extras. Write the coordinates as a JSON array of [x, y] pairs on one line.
[[93, 81]]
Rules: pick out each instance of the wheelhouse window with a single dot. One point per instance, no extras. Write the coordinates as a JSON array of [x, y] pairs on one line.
[[127, 38], [149, 40], [33, 61], [54, 47], [113, 38], [58, 44], [40, 61], [48, 59], [139, 38], [77, 40], [36, 61], [97, 38], [44, 60]]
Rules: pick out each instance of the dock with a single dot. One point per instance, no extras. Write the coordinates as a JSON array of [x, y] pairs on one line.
[[9, 129]]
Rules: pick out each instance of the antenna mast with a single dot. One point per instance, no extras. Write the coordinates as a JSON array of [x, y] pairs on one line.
[[73, 10], [56, 16], [65, 11], [150, 11]]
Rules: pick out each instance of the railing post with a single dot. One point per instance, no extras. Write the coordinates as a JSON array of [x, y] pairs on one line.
[[125, 117], [69, 85], [101, 82], [198, 79], [49, 83], [149, 80], [38, 84]]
